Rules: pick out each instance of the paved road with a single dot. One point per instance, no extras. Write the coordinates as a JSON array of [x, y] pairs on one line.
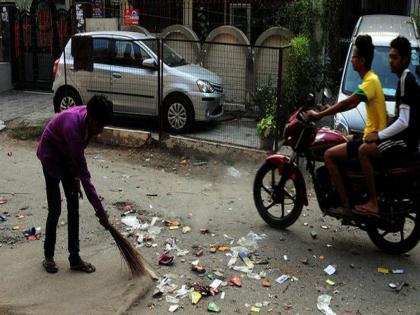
[[15, 104]]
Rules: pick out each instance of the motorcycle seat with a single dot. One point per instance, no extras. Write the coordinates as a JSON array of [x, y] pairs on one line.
[[409, 163]]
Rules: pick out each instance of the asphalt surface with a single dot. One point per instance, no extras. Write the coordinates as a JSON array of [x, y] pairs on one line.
[[204, 193]]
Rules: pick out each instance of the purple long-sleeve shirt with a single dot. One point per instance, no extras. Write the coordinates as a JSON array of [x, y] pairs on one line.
[[62, 149]]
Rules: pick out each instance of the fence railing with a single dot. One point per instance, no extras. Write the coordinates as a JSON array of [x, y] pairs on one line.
[[211, 93]]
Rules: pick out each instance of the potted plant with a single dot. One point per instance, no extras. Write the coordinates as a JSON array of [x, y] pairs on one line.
[[266, 129]]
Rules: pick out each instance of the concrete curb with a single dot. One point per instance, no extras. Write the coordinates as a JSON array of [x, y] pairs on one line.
[[124, 137]]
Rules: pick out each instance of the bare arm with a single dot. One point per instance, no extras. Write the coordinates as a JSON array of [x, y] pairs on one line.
[[350, 102]]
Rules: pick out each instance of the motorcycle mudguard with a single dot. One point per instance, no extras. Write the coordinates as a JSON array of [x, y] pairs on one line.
[[280, 160]]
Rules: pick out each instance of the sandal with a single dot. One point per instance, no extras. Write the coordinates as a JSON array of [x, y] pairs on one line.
[[360, 210], [49, 265], [83, 266]]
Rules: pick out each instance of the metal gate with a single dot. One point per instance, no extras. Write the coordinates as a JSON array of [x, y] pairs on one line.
[[39, 37]]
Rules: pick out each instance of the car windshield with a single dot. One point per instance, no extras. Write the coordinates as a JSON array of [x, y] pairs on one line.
[[381, 67], [170, 56]]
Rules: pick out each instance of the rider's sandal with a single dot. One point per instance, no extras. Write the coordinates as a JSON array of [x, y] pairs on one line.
[[360, 210]]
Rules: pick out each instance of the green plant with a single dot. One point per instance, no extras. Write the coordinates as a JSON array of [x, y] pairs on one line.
[[299, 16], [266, 127], [301, 74], [265, 98]]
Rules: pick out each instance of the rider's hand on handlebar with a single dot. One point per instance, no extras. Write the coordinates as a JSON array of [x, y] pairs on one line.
[[312, 115]]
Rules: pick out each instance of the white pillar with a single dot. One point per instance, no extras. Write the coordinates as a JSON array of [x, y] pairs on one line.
[[188, 13]]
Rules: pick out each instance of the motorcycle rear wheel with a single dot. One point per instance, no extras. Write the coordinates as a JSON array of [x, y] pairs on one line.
[[397, 243], [265, 198]]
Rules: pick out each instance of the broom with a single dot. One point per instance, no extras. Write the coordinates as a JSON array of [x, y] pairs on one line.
[[130, 255]]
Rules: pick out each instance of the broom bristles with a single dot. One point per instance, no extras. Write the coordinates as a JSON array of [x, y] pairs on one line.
[[131, 256]]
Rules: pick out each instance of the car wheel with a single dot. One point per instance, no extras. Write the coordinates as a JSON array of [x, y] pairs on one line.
[[178, 114], [66, 98]]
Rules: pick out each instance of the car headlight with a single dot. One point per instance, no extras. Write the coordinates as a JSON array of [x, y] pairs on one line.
[[205, 86]]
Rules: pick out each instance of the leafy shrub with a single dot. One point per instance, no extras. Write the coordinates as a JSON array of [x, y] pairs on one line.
[[265, 98], [266, 127]]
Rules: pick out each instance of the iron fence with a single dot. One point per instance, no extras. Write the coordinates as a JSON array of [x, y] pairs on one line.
[[200, 90]]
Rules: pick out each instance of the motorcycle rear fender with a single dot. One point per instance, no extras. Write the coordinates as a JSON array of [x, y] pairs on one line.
[[280, 161]]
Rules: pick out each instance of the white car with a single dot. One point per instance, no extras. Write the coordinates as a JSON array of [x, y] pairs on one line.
[[126, 71]]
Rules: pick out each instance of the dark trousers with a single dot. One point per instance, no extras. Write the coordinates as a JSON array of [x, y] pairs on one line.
[[54, 211]]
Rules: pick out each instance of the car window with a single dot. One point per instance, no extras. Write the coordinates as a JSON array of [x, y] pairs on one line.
[[128, 53], [380, 66], [170, 56], [101, 50]]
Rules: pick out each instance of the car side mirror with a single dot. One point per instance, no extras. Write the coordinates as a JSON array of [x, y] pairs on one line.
[[150, 63]]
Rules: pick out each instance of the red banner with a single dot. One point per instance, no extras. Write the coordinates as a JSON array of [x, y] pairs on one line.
[[131, 17]]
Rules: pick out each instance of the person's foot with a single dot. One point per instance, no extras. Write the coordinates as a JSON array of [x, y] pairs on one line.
[[49, 265], [340, 212], [77, 264], [368, 209]]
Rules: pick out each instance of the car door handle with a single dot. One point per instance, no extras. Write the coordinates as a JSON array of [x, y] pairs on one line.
[[117, 75]]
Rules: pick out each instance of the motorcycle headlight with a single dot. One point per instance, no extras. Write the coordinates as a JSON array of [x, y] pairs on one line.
[[205, 86]]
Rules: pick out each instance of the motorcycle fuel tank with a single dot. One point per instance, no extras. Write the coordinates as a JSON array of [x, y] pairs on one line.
[[325, 138]]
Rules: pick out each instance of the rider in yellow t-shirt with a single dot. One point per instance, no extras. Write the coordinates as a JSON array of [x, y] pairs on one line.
[[370, 91]]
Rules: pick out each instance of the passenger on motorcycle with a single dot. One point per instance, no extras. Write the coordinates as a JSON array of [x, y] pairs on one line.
[[402, 136], [370, 92]]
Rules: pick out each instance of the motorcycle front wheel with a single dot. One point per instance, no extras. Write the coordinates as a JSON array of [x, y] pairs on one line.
[[280, 207]]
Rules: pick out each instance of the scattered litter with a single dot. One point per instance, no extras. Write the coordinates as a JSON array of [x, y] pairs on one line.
[[166, 260], [199, 253], [151, 195], [197, 267], [2, 218], [250, 241], [131, 221], [171, 299], [321, 257], [330, 282], [392, 285], [173, 308], [9, 154], [329, 245], [222, 296], [243, 269], [216, 283], [324, 227], [314, 234], [266, 283], [397, 271], [383, 270], [2, 125], [323, 304], [212, 307], [195, 297], [285, 257], [255, 309], [235, 281], [234, 172], [3, 201], [330, 270], [183, 292], [186, 229], [254, 276], [204, 231], [244, 257], [282, 279]]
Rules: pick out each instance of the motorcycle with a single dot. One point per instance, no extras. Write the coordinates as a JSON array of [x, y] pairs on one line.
[[280, 188]]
